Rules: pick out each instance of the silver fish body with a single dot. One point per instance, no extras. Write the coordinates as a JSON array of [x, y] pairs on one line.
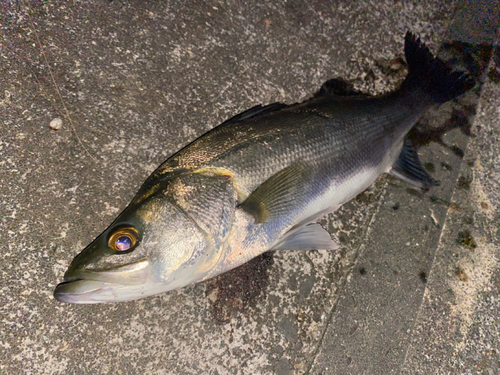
[[257, 182]]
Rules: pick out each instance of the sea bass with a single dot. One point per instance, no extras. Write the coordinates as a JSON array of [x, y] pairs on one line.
[[258, 182]]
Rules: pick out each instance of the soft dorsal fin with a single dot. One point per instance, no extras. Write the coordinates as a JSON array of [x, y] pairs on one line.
[[409, 168], [258, 110], [277, 196], [307, 237]]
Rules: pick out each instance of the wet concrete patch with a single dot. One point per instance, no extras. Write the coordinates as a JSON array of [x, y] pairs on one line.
[[237, 291], [473, 61], [425, 132]]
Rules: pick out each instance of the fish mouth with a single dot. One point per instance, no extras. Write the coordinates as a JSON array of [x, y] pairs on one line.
[[83, 291], [114, 285]]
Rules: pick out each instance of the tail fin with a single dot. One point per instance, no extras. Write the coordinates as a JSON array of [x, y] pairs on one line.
[[431, 74]]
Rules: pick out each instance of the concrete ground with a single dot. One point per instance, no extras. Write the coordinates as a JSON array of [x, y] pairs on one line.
[[415, 288]]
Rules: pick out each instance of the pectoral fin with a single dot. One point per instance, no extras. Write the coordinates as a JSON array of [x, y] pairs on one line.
[[308, 237], [279, 195], [409, 168]]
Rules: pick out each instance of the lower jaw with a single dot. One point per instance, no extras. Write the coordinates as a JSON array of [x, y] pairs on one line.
[[86, 292], [82, 291]]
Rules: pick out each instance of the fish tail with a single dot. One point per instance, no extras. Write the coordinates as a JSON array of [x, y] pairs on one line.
[[431, 74]]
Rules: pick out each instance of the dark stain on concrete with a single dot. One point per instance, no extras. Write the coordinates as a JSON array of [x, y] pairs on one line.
[[343, 238], [465, 239], [464, 182], [468, 220], [446, 166], [423, 277], [494, 75], [460, 273], [429, 167], [367, 197], [237, 291], [451, 205], [415, 192]]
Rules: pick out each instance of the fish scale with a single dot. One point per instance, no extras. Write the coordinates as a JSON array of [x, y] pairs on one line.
[[303, 143]]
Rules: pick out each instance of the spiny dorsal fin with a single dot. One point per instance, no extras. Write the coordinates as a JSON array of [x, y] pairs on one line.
[[256, 111]]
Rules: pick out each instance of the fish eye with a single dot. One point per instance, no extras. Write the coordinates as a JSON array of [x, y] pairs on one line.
[[123, 239]]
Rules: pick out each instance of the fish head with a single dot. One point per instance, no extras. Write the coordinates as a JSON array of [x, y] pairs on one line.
[[149, 249]]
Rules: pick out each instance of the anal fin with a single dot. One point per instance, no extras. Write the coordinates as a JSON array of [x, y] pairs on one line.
[[307, 237], [409, 168]]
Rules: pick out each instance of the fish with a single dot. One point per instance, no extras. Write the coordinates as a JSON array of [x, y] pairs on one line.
[[259, 182]]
